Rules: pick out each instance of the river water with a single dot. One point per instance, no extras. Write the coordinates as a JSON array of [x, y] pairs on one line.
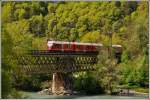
[[35, 95]]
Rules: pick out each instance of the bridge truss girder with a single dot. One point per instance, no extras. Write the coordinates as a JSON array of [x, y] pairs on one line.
[[38, 64]]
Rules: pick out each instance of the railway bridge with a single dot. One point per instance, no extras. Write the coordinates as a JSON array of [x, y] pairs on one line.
[[61, 64]]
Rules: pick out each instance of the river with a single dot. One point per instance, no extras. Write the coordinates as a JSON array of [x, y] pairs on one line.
[[35, 95]]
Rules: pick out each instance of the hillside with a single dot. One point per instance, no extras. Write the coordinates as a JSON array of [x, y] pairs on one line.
[[28, 25]]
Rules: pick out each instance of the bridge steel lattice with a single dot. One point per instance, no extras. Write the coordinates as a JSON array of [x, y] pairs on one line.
[[58, 63]]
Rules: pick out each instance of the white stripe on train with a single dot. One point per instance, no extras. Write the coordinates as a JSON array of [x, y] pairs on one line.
[[49, 43]]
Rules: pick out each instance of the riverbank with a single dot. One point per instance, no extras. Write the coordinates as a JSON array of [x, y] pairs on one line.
[[121, 92], [133, 93], [35, 95]]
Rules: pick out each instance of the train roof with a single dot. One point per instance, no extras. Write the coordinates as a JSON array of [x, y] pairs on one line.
[[77, 43]]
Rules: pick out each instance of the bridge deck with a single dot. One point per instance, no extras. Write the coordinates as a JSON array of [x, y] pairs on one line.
[[47, 52]]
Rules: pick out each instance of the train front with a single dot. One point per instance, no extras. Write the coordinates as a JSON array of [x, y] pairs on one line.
[[49, 44]]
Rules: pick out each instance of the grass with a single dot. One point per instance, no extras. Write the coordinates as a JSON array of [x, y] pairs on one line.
[[136, 88], [143, 90]]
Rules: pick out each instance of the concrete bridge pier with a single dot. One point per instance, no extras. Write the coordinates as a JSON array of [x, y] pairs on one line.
[[61, 84], [58, 85]]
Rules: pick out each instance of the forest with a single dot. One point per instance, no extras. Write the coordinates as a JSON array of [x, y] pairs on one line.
[[28, 25]]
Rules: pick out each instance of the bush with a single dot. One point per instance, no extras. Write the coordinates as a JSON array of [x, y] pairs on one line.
[[88, 85]]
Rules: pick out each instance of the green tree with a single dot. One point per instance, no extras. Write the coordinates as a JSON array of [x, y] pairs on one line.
[[7, 10], [37, 25], [6, 64]]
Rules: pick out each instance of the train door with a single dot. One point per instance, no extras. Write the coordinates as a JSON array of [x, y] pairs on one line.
[[73, 46], [62, 47]]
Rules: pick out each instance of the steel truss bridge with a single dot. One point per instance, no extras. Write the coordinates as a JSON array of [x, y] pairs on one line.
[[59, 63], [42, 61]]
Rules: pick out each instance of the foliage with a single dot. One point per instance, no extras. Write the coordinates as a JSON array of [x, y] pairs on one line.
[[15, 94], [86, 83], [143, 90], [6, 64], [108, 71], [29, 82], [91, 37]]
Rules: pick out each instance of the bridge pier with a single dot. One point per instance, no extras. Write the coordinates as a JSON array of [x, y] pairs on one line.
[[57, 84], [61, 84]]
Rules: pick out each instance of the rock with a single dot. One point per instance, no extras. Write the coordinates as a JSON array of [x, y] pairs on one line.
[[45, 91], [62, 92], [75, 92]]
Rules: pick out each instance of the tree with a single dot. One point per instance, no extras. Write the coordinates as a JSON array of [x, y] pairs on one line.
[[37, 25], [7, 10], [7, 64], [91, 37], [108, 72]]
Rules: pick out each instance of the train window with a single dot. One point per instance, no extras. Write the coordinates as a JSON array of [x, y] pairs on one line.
[[69, 45], [66, 45], [89, 47], [92, 47], [57, 46], [78, 46], [62, 46]]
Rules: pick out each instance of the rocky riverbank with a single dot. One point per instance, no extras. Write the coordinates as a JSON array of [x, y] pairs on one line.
[[65, 92], [124, 92], [45, 91], [132, 93]]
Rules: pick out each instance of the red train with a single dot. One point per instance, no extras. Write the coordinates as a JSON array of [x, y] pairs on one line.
[[76, 47]]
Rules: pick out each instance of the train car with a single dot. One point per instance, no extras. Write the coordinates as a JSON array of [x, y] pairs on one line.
[[71, 46], [77, 47]]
